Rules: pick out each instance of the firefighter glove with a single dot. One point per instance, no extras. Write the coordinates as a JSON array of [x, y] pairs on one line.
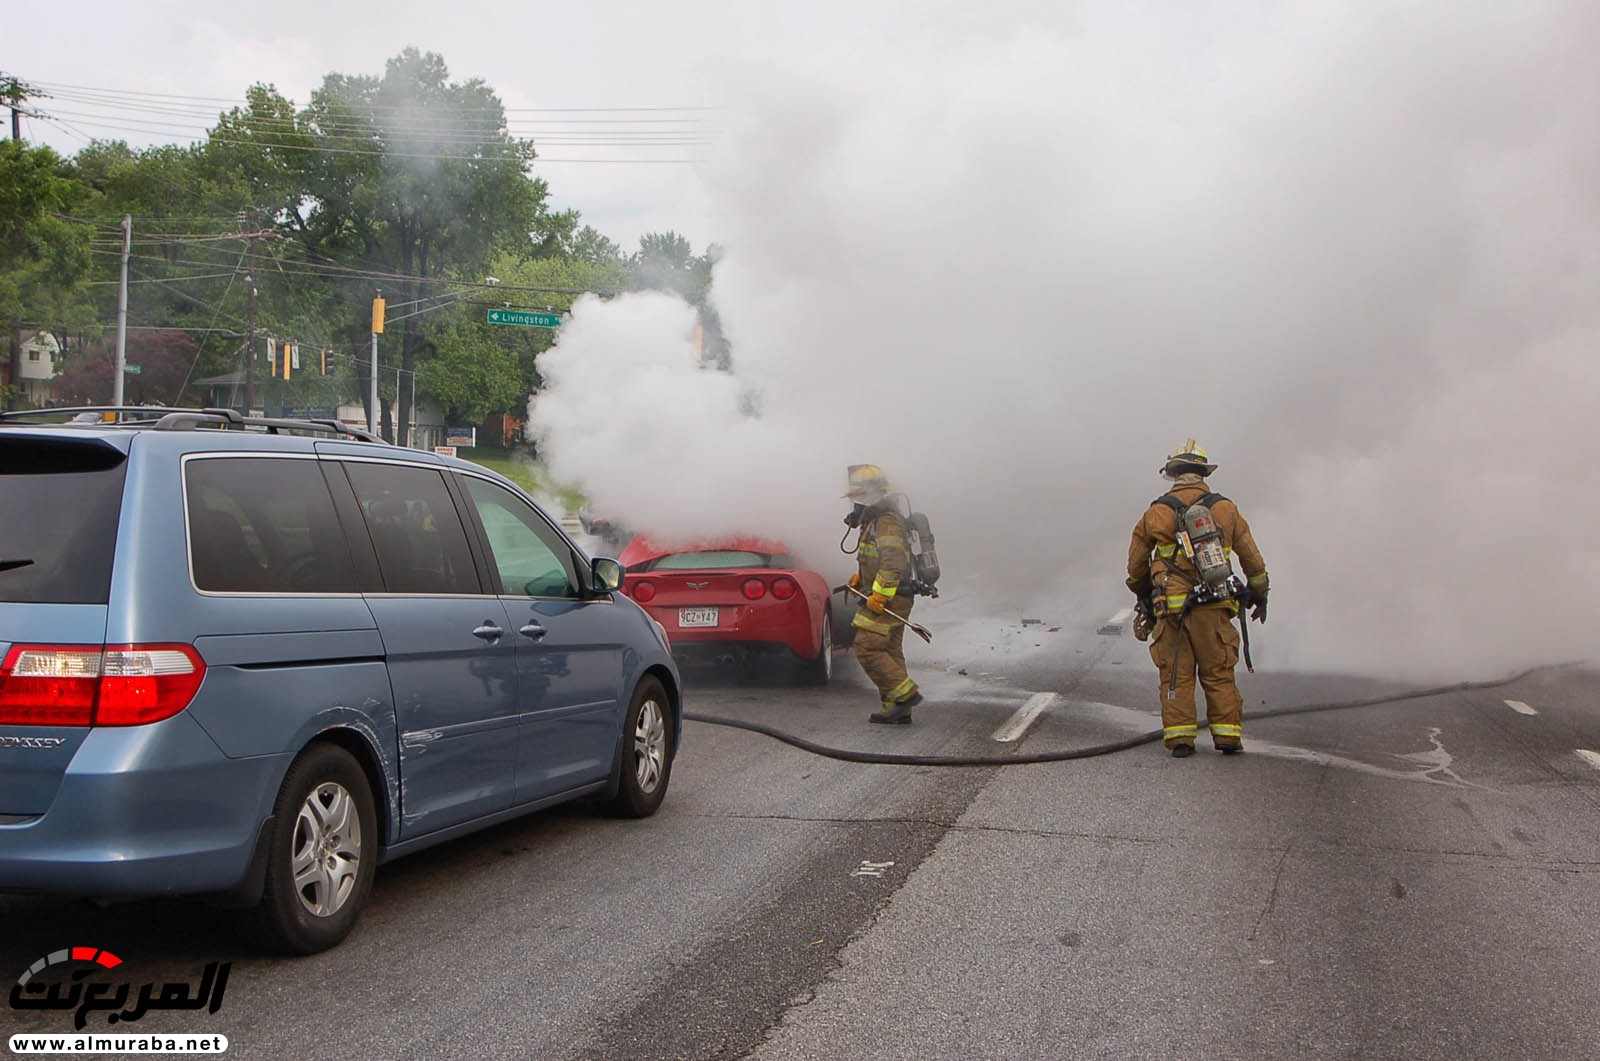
[[1144, 621], [855, 580], [1140, 587], [877, 602], [1258, 607]]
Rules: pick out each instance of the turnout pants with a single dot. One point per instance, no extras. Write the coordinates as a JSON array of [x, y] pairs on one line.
[[880, 648], [1208, 647]]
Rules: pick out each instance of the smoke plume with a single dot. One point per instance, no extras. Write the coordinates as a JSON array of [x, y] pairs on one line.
[[1352, 250]]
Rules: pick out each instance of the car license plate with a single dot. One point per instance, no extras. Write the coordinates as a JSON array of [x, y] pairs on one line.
[[697, 617]]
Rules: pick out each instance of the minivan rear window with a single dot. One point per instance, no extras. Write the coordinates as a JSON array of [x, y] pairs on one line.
[[59, 505]]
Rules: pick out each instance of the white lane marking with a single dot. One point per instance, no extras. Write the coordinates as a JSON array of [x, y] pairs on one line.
[[870, 869], [1114, 625], [1018, 723], [1521, 708], [1592, 758]]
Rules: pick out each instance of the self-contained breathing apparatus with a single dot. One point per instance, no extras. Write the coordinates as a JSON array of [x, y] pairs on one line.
[[924, 576], [1201, 541]]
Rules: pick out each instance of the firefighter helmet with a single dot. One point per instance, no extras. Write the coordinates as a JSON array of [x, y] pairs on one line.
[[1189, 458], [868, 484]]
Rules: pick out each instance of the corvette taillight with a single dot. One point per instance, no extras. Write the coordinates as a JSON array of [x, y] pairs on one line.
[[644, 592], [783, 587], [753, 589], [91, 685]]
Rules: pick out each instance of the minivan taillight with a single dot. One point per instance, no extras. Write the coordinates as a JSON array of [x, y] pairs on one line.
[[81, 685]]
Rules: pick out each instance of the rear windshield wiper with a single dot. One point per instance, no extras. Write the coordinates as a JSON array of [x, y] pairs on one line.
[[8, 565]]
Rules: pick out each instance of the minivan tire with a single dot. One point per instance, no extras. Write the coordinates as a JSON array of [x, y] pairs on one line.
[[324, 794], [645, 753]]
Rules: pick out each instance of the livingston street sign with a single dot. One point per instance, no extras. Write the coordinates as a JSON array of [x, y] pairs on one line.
[[525, 318]]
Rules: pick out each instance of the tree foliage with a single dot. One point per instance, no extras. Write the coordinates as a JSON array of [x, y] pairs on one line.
[[286, 221], [46, 259], [162, 358]]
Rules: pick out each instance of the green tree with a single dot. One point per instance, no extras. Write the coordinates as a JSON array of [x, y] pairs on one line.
[[163, 359], [666, 262], [417, 177], [46, 259], [471, 374]]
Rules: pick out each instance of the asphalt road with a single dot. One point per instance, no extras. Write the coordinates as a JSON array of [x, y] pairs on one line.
[[1417, 879]]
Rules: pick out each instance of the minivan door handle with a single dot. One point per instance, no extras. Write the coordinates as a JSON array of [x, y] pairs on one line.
[[533, 631], [488, 631]]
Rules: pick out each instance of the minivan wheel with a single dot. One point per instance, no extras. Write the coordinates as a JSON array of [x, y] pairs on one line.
[[646, 753], [322, 855]]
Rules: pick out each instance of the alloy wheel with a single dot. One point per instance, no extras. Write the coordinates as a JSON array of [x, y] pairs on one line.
[[649, 745], [325, 856]]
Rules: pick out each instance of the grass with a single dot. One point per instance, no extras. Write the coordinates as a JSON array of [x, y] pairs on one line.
[[528, 475]]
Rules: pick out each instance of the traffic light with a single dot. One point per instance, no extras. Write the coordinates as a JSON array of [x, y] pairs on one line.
[[377, 316], [324, 362], [285, 360]]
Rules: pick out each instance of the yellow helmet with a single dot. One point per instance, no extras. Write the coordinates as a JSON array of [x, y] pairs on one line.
[[868, 484], [1190, 457]]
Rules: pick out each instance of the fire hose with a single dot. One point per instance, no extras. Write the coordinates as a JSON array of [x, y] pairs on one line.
[[1093, 750]]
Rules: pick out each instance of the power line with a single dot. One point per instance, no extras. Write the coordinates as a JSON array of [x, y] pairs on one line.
[[406, 154], [454, 123], [55, 86], [340, 128], [152, 280], [444, 137], [313, 270]]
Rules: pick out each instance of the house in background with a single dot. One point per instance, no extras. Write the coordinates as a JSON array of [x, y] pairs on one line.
[[41, 354]]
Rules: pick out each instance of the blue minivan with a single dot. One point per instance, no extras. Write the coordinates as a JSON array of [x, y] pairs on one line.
[[250, 659]]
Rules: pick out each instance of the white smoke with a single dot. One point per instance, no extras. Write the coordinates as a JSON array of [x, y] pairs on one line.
[[1352, 250]]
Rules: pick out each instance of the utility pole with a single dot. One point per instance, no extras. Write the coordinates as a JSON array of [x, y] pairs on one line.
[[377, 329], [122, 315], [14, 91], [250, 346], [250, 327]]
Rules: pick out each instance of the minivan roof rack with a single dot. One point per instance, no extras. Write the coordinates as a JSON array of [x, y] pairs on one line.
[[165, 418]]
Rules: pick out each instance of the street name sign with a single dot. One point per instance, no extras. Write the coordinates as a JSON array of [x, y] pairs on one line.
[[525, 318]]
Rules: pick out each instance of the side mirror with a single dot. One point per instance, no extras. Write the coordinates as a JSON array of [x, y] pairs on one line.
[[605, 575]]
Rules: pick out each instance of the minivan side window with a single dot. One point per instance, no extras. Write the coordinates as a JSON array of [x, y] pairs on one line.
[[421, 544], [530, 558], [264, 525]]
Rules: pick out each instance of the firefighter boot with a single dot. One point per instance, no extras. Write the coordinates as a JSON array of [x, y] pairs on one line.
[[896, 713], [1182, 751]]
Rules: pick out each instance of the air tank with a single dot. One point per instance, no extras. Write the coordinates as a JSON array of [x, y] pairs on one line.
[[1205, 541]]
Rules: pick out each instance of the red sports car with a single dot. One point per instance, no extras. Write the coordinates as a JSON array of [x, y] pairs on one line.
[[734, 600]]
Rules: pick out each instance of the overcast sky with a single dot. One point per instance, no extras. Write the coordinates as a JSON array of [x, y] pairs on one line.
[[556, 55], [572, 54]]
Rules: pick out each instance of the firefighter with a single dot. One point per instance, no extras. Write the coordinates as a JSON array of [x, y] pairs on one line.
[[883, 572], [1191, 618]]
